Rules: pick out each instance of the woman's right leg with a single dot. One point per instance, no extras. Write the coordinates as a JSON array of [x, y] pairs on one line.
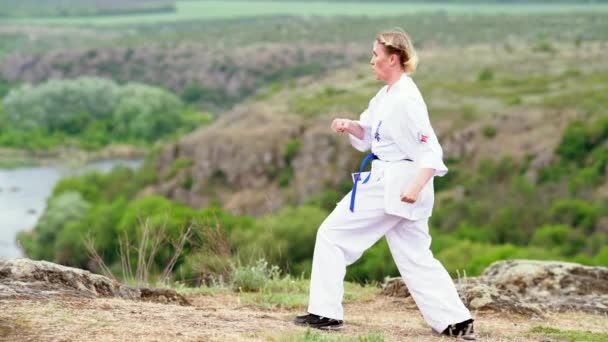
[[341, 240]]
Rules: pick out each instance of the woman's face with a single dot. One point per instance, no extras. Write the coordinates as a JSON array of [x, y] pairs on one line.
[[381, 62]]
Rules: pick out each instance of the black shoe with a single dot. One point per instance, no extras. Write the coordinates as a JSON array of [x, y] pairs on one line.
[[318, 322], [464, 329]]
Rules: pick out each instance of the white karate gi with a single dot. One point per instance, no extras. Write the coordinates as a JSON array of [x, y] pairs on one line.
[[397, 127]]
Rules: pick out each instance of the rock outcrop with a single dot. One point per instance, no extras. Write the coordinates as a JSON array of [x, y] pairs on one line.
[[25, 278], [529, 287]]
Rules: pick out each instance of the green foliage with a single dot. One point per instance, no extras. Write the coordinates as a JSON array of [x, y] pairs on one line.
[[91, 113], [473, 258], [485, 75], [146, 113], [291, 149], [601, 259], [285, 176], [544, 46], [325, 200], [575, 144], [5, 86], [254, 278], [96, 187], [63, 210], [178, 165], [576, 213], [489, 131], [580, 140], [375, 264], [562, 238], [285, 239], [58, 105], [195, 93]]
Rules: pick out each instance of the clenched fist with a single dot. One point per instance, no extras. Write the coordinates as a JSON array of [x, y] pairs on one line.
[[409, 196], [341, 125]]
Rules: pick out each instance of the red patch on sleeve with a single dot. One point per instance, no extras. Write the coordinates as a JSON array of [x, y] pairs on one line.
[[422, 137]]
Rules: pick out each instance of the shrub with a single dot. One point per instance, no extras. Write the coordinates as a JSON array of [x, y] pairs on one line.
[[489, 131], [485, 75], [60, 105], [575, 212], [61, 210], [254, 278]]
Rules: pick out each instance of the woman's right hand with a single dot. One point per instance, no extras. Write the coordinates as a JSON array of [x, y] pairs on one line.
[[341, 125]]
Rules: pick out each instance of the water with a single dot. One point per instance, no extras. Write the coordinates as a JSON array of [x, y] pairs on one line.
[[23, 195]]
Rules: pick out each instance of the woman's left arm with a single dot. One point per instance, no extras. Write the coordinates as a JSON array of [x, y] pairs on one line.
[[416, 138], [410, 195]]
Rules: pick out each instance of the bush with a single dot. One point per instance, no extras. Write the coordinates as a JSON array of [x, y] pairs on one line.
[[146, 113], [575, 212], [286, 238], [374, 265], [489, 131], [59, 105], [254, 278], [473, 257], [91, 112], [61, 210], [575, 144], [485, 75], [566, 240]]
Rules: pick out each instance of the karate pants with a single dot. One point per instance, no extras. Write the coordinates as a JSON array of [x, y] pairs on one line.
[[345, 235]]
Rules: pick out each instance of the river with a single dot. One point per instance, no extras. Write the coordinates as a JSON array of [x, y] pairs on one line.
[[24, 191]]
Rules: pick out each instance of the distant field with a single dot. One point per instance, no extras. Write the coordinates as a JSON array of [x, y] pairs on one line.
[[75, 8], [197, 10]]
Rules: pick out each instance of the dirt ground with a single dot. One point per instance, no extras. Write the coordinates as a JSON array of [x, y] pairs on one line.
[[224, 318]]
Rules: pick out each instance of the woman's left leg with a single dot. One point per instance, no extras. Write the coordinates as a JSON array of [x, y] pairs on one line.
[[427, 280]]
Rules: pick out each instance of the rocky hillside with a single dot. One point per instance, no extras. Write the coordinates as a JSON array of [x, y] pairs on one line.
[[41, 300], [198, 72]]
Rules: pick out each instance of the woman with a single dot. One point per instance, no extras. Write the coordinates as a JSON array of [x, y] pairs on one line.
[[394, 200]]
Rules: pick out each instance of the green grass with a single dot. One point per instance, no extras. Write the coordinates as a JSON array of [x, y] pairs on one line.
[[314, 336], [286, 292], [569, 335], [290, 293], [203, 10]]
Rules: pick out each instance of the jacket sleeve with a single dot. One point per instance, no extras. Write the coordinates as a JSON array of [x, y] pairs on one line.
[[418, 134], [365, 122]]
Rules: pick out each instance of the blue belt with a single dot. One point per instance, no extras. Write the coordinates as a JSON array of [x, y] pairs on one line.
[[366, 160]]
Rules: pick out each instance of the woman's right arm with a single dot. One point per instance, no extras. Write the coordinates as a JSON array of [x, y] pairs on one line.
[[360, 132]]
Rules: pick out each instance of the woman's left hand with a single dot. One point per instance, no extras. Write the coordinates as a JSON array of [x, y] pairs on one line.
[[409, 196]]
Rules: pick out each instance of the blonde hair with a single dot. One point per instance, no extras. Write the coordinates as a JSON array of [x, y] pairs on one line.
[[397, 42]]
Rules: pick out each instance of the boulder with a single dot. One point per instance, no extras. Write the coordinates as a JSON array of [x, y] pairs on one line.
[[29, 279], [528, 287]]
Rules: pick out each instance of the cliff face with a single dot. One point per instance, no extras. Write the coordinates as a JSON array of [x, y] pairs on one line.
[[255, 161]]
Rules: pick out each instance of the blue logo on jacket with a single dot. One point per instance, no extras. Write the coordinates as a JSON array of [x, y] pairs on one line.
[[377, 134]]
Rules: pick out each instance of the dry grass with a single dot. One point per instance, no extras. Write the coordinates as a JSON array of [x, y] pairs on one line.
[[223, 317]]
